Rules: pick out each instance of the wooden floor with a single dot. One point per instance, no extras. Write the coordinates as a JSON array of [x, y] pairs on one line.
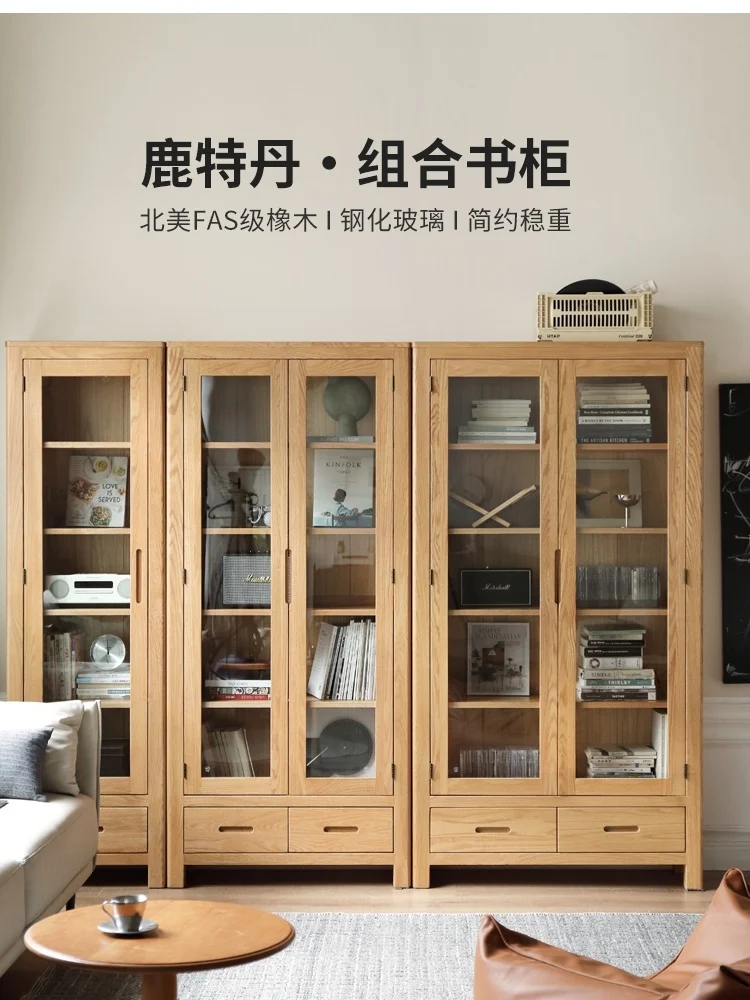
[[454, 891]]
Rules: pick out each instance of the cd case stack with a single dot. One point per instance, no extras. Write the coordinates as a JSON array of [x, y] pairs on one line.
[[611, 666], [498, 421], [500, 762], [618, 586], [620, 761], [613, 413]]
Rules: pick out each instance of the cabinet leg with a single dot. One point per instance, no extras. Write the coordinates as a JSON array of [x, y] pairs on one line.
[[402, 874], [159, 986], [693, 876], [175, 873], [421, 874]]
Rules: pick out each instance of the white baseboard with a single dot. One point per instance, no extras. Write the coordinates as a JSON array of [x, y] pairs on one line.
[[726, 764]]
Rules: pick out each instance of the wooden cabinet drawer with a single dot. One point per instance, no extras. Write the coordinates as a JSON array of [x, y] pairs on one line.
[[235, 830], [341, 831], [492, 828], [123, 831], [654, 828]]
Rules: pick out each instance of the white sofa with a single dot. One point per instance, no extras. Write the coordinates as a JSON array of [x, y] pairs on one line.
[[48, 849]]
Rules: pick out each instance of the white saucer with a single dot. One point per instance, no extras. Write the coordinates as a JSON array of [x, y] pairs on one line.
[[108, 927]]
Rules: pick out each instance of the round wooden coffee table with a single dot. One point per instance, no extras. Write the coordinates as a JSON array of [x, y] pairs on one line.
[[193, 936]]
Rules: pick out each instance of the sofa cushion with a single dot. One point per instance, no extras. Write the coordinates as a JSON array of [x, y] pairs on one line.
[[722, 936], [12, 906], [53, 840], [65, 719], [22, 763]]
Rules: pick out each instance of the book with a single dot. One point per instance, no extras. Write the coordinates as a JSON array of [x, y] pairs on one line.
[[660, 740], [607, 682], [619, 751], [97, 491], [615, 410], [612, 662], [599, 419], [343, 667], [498, 658], [344, 488], [342, 438], [594, 673], [616, 695], [321, 660]]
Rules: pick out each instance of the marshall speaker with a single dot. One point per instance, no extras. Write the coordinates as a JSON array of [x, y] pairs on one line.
[[246, 581], [495, 588]]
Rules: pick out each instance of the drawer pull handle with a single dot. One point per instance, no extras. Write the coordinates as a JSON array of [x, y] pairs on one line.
[[622, 829], [235, 829], [340, 829], [492, 829]]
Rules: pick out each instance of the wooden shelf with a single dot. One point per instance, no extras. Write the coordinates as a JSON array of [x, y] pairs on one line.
[[493, 531], [623, 612], [234, 445], [622, 531], [235, 612], [341, 531], [115, 703], [89, 445], [523, 701], [315, 445], [622, 447], [93, 612], [341, 612], [333, 703], [493, 446], [639, 703], [87, 531], [238, 703], [236, 531], [494, 612]]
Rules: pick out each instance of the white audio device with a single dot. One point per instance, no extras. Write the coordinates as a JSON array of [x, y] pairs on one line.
[[88, 588]]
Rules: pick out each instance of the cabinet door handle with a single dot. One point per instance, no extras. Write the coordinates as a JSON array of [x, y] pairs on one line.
[[235, 829], [340, 829], [138, 561], [557, 576], [491, 829], [622, 829]]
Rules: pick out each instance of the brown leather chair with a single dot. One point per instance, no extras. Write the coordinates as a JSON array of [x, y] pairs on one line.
[[713, 965]]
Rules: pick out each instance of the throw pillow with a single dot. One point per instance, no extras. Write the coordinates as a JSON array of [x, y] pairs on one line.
[[64, 718], [22, 762]]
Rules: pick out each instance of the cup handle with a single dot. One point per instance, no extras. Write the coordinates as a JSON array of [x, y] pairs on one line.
[[104, 907]]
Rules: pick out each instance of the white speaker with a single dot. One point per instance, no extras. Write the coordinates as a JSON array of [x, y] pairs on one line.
[[84, 589]]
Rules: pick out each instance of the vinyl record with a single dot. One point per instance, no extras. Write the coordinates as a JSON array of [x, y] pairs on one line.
[[591, 285], [345, 747]]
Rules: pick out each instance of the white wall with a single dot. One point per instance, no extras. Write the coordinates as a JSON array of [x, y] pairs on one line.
[[654, 108]]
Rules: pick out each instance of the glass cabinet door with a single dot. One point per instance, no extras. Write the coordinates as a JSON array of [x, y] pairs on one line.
[[493, 611], [86, 499], [341, 536], [622, 663], [235, 691]]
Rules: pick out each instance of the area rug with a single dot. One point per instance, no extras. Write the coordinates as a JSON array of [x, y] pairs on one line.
[[394, 956]]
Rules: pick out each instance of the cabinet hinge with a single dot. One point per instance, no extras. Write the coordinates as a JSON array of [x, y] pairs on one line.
[[687, 383], [393, 576], [184, 769], [24, 576], [432, 769], [184, 576], [24, 383], [394, 383], [184, 383], [433, 384], [687, 577], [684, 770], [393, 771], [432, 577]]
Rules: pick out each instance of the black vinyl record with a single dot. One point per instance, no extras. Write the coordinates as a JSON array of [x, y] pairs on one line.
[[591, 285], [345, 747]]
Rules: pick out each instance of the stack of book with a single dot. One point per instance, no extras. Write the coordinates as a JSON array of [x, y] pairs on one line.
[[498, 421], [500, 762], [613, 413], [225, 752], [236, 680], [620, 761], [103, 685], [610, 665], [343, 667], [61, 653]]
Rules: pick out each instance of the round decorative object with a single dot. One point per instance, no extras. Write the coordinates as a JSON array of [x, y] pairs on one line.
[[107, 651], [267, 517], [346, 747], [347, 399], [591, 285]]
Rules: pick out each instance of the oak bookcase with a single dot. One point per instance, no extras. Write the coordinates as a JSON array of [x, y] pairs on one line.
[[245, 423], [562, 816], [93, 399]]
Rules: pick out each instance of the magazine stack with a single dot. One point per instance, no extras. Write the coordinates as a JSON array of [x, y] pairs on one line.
[[94, 684], [613, 413], [498, 421], [610, 665], [620, 761], [226, 753], [343, 667], [61, 656], [500, 762]]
